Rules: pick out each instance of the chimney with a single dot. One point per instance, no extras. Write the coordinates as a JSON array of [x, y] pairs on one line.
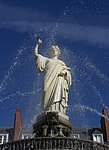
[[17, 125], [105, 123]]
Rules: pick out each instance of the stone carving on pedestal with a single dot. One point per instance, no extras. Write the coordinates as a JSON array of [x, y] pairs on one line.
[[53, 121]]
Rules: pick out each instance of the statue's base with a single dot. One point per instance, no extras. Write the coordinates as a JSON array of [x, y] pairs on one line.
[[52, 124]]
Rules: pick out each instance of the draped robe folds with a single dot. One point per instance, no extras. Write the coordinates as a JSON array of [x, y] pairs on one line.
[[57, 80]]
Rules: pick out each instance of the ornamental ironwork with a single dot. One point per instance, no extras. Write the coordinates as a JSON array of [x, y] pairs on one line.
[[46, 143]]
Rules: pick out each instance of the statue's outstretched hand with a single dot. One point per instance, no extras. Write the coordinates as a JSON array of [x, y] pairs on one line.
[[39, 42]]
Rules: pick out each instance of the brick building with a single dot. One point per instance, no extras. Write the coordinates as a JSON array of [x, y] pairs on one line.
[[100, 135], [15, 133]]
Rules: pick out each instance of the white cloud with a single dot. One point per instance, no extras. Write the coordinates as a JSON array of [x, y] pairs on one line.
[[24, 20], [11, 13], [92, 34]]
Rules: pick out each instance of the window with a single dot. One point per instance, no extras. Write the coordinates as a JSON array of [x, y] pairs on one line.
[[26, 136], [3, 138], [98, 138], [76, 135]]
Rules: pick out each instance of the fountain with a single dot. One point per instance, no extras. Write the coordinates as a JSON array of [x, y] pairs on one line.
[[52, 128]]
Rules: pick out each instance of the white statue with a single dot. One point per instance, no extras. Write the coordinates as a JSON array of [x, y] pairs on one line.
[[57, 80]]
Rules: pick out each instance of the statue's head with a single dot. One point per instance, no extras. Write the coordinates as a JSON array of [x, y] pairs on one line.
[[54, 51]]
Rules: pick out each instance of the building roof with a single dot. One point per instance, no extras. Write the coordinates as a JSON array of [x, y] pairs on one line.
[[86, 133], [7, 130]]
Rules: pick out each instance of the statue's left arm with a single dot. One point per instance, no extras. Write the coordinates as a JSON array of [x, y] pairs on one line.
[[66, 74], [68, 77]]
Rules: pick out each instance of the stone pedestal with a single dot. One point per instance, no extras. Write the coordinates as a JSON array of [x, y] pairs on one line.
[[52, 124]]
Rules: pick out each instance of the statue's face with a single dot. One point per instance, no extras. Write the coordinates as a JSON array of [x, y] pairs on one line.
[[53, 52]]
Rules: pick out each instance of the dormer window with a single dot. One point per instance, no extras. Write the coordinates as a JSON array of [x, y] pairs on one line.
[[26, 136], [98, 138], [75, 135], [3, 138]]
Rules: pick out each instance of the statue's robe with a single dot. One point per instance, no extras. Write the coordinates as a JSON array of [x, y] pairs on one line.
[[57, 80]]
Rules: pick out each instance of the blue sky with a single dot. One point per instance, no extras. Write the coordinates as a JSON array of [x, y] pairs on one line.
[[81, 29]]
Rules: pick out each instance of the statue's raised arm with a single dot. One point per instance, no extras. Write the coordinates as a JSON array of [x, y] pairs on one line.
[[40, 60], [37, 46]]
